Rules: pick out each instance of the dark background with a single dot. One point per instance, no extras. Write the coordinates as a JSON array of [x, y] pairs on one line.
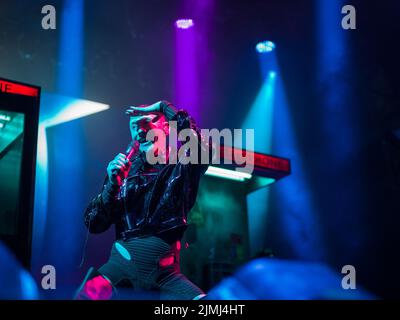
[[129, 58]]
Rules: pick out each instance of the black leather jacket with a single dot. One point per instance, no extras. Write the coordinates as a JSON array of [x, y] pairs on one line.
[[158, 197]]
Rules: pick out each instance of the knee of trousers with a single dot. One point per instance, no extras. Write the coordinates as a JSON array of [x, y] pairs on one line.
[[95, 286]]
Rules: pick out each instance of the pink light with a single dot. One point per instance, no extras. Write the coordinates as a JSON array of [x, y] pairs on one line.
[[184, 23], [167, 261], [97, 288]]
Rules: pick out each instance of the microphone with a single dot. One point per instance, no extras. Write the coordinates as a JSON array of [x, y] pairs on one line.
[[131, 151]]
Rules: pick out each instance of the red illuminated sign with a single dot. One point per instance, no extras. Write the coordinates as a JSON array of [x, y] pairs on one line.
[[262, 161], [16, 88]]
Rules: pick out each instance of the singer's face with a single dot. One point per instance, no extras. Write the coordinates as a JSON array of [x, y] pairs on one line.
[[141, 125]]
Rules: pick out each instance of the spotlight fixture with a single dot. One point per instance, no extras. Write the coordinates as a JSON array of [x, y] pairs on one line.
[[184, 23], [265, 46], [272, 74]]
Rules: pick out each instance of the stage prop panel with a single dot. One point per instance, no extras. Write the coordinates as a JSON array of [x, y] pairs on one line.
[[217, 240], [19, 112]]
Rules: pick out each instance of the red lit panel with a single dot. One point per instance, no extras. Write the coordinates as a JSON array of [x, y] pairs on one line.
[[16, 88], [261, 161]]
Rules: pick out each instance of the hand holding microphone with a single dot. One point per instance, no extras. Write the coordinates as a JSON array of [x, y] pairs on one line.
[[119, 167]]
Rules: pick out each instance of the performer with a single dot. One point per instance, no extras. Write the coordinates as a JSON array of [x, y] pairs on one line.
[[148, 204]]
